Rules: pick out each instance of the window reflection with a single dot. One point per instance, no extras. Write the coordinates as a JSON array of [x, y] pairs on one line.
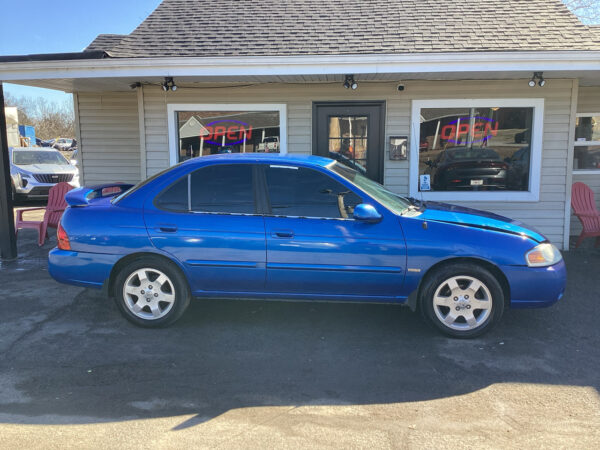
[[476, 149], [213, 132], [348, 140]]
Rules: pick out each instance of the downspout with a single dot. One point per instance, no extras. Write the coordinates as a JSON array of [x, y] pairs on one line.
[[142, 130], [570, 152], [78, 136]]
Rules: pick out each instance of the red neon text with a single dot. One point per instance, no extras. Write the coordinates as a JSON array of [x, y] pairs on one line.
[[479, 130]]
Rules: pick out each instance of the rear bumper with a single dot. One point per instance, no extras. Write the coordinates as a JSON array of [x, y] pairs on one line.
[[536, 287], [79, 268]]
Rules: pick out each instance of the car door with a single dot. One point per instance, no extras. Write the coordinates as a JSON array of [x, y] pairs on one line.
[[315, 247], [208, 221]]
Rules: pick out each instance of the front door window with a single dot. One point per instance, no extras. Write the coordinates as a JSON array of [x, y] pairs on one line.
[[349, 140], [351, 133]]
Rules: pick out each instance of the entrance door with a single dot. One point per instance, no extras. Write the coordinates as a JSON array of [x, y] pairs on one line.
[[352, 133]]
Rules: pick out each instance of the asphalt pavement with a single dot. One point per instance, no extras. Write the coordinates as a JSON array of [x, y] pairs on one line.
[[257, 374]]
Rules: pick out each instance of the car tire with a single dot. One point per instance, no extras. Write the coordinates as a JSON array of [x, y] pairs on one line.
[[462, 300], [16, 198], [151, 292]]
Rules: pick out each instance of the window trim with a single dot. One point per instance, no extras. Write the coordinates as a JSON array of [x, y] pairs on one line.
[[173, 108], [532, 195], [586, 144]]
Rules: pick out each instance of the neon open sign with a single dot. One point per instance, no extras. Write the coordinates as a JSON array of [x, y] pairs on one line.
[[232, 130], [481, 129]]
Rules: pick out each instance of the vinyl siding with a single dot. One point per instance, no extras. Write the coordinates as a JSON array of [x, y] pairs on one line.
[[109, 137], [547, 215], [588, 102]]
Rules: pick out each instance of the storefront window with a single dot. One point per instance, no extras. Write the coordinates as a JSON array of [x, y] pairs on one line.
[[203, 133], [485, 148], [587, 142]]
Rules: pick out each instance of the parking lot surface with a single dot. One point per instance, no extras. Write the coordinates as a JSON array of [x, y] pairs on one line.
[[242, 374]]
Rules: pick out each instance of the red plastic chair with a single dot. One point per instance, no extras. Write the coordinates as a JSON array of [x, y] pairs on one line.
[[54, 210], [584, 207]]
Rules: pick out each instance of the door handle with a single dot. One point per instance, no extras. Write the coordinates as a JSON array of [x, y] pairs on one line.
[[167, 228], [283, 234]]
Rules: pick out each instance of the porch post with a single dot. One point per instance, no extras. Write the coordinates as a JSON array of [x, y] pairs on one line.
[[8, 240]]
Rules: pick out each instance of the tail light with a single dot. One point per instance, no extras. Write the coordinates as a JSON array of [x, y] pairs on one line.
[[62, 238]]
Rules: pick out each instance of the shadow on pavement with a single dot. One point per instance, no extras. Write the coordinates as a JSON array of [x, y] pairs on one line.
[[67, 352]]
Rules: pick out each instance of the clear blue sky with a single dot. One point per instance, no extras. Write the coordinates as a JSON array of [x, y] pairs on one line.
[[56, 26]]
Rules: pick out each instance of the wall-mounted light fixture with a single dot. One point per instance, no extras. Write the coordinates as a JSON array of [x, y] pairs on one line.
[[537, 78], [350, 82], [169, 84], [135, 85]]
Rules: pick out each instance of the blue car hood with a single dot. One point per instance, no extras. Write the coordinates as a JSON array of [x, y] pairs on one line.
[[468, 217]]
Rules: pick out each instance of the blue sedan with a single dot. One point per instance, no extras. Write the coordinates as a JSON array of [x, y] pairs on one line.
[[299, 228]]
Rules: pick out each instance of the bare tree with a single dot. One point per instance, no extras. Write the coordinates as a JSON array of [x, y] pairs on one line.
[[50, 119], [587, 10]]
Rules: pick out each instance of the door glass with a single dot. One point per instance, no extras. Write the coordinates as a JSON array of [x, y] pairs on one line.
[[223, 188], [348, 140], [175, 198], [300, 192]]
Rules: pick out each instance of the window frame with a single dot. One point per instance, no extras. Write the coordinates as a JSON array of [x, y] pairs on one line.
[[586, 144], [173, 108], [536, 145]]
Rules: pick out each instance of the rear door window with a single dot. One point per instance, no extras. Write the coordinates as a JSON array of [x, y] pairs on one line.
[[223, 188]]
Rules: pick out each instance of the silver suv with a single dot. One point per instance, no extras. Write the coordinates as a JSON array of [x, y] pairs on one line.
[[34, 171]]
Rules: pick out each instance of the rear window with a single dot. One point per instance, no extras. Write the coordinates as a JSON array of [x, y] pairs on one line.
[[27, 158]]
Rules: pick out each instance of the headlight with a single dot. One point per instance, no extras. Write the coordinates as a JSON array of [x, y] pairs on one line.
[[543, 255]]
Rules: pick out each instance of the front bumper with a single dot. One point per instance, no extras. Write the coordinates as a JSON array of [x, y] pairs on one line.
[[33, 188], [536, 287]]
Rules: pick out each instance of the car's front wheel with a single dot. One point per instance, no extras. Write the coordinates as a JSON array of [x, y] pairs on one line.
[[462, 300], [151, 292]]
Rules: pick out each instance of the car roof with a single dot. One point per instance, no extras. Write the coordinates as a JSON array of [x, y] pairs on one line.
[[269, 158], [35, 149]]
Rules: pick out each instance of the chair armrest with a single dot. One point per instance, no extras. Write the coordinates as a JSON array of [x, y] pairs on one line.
[[588, 214], [23, 210], [55, 209]]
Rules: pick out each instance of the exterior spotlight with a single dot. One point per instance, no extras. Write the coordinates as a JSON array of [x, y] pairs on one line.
[[135, 85], [539, 76], [169, 84], [350, 82]]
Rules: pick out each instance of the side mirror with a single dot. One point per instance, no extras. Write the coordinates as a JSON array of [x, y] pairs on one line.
[[366, 213]]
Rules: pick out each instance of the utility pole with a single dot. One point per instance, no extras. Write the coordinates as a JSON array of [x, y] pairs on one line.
[[8, 240]]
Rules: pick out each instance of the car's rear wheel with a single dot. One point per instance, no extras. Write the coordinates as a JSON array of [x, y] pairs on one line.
[[462, 300], [151, 292]]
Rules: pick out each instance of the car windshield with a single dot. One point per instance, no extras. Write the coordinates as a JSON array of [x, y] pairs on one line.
[[472, 153], [29, 157], [387, 198]]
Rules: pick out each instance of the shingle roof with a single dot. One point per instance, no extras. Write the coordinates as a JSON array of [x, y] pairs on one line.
[[191, 28], [104, 42]]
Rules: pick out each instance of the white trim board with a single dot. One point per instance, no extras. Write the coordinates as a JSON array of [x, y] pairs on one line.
[[533, 195], [457, 62], [172, 108]]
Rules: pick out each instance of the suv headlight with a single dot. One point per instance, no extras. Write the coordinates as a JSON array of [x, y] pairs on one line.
[[543, 255]]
